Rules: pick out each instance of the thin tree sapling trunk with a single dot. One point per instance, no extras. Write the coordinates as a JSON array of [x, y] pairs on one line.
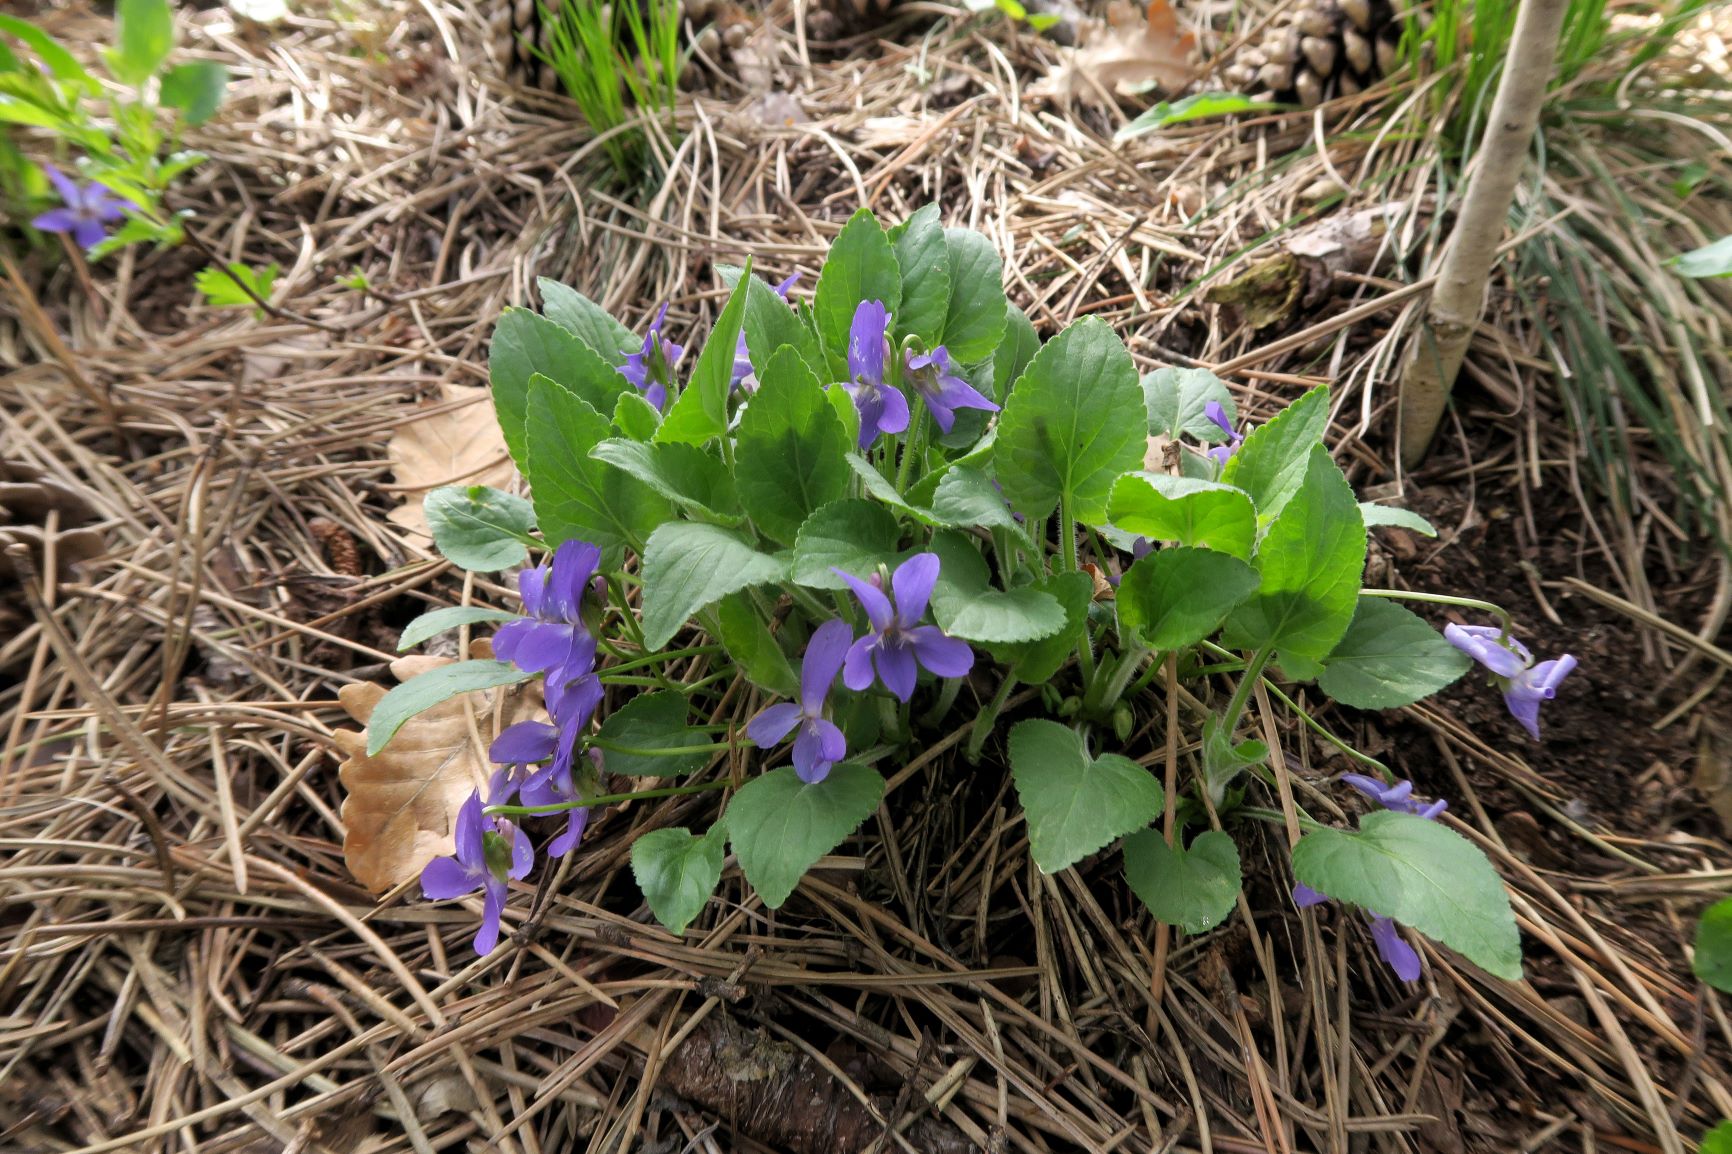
[[1434, 356]]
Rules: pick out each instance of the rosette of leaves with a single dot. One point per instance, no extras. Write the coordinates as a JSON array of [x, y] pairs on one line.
[[731, 512]]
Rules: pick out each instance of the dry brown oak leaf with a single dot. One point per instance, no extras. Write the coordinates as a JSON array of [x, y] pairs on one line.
[[454, 440], [1129, 53], [401, 804]]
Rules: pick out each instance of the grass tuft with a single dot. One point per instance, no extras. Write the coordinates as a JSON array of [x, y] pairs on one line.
[[616, 60]]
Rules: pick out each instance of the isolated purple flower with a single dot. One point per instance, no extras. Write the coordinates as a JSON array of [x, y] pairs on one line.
[[1217, 414], [1525, 685], [743, 374], [1398, 797], [1401, 957], [491, 852], [551, 637], [883, 408], [898, 645], [934, 378], [88, 211], [820, 743], [651, 368]]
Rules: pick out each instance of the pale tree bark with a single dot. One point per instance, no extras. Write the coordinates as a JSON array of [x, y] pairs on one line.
[[1435, 354]]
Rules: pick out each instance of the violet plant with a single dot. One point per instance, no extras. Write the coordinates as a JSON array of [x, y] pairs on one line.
[[911, 501], [122, 137]]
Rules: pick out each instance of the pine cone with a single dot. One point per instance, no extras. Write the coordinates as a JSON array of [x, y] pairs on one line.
[[1324, 48]]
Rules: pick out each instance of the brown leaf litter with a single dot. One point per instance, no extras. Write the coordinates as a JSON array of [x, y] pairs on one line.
[[402, 802], [451, 441], [1127, 54]]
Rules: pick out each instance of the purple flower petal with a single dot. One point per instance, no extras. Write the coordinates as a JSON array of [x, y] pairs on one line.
[[897, 669], [567, 841], [1481, 642], [1402, 958], [532, 590], [787, 285], [857, 667], [446, 877], [65, 186], [522, 853], [1217, 414], [773, 724], [572, 702], [471, 825], [501, 788], [105, 206], [89, 233], [893, 411], [912, 583], [523, 744], [955, 393], [942, 656], [832, 743], [549, 785], [62, 220], [815, 752], [542, 647], [866, 343], [574, 563], [492, 906], [825, 653], [1305, 897], [872, 600]]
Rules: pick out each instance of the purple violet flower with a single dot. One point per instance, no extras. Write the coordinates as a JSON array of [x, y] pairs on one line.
[[820, 743], [1398, 797], [1525, 685], [898, 645], [491, 852], [934, 378], [572, 704], [88, 211], [1217, 414], [743, 373], [651, 368], [1400, 956], [883, 408], [556, 783], [551, 637]]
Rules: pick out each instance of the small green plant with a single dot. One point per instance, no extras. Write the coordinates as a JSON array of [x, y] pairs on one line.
[[894, 501], [1016, 12], [236, 285], [612, 59], [126, 130]]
